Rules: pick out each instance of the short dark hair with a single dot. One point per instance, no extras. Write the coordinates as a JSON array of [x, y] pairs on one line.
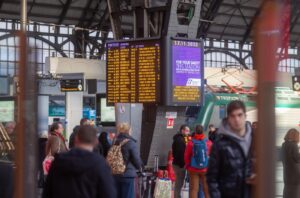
[[211, 125], [199, 129], [55, 126], [235, 105], [183, 127], [83, 121], [87, 134]]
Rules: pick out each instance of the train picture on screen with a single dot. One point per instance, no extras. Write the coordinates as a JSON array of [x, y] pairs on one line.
[[133, 71]]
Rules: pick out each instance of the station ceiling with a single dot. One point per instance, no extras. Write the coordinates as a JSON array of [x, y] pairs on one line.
[[228, 19]]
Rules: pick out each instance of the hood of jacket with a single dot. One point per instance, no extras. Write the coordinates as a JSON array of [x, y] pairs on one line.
[[244, 142], [76, 161], [199, 137]]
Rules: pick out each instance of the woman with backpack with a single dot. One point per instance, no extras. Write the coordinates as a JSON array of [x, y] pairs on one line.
[[124, 160], [196, 161]]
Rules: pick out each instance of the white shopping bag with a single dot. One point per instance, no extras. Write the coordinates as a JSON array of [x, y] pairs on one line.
[[163, 188]]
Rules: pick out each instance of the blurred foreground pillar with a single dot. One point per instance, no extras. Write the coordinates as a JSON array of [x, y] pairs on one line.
[[26, 131], [266, 43]]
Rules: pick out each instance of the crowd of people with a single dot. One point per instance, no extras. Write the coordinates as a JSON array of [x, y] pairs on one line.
[[219, 165], [81, 170]]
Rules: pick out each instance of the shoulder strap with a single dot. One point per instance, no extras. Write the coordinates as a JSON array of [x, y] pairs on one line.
[[124, 142]]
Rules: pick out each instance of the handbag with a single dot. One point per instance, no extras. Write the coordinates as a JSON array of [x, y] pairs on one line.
[[47, 163]]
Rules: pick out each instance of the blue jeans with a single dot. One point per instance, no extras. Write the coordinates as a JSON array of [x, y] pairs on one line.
[[125, 187]]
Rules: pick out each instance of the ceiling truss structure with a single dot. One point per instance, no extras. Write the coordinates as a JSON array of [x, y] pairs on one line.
[[229, 20]]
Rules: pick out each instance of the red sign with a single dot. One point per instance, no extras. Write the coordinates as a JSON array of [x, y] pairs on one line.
[[170, 123]]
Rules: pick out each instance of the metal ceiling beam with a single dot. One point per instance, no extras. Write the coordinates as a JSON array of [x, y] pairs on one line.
[[229, 20], [64, 11], [210, 15], [242, 6], [16, 14], [95, 10], [250, 26], [84, 13], [1, 3], [294, 22], [44, 5]]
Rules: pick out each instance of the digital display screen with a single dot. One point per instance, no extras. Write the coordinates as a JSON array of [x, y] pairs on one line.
[[107, 112], [7, 111], [69, 85], [133, 71], [187, 68]]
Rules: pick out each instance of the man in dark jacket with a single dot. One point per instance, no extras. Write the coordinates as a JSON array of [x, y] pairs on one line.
[[230, 163], [80, 173], [83, 122], [180, 141], [212, 133]]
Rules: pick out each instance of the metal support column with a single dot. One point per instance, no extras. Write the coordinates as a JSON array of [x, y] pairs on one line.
[[266, 43], [23, 15]]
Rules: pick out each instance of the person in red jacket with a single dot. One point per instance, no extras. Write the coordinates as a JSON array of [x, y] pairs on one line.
[[196, 161]]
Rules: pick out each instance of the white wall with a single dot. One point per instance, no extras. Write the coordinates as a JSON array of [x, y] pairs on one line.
[[92, 69]]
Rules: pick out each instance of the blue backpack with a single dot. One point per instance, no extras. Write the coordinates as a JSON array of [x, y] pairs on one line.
[[200, 156]]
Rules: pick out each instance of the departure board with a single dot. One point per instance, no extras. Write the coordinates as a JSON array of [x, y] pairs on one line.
[[133, 71], [187, 72]]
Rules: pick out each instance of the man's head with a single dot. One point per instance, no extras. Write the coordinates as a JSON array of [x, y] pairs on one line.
[[10, 127], [254, 125], [211, 127], [84, 121], [57, 127], [184, 129], [199, 129], [236, 115], [86, 137]]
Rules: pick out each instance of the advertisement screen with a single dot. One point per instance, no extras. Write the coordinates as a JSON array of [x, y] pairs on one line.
[[7, 111], [107, 112], [187, 67]]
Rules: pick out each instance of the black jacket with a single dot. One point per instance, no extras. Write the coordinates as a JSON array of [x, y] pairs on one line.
[[212, 135], [6, 179], [228, 169], [291, 169], [178, 149], [79, 174], [130, 155], [72, 136]]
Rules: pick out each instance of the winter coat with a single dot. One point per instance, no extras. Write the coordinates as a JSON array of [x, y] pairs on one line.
[[291, 169], [72, 136], [6, 179], [189, 153], [178, 149], [130, 154], [79, 174], [55, 144], [212, 135], [230, 164]]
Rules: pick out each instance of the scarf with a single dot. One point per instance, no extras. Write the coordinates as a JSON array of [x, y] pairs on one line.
[[60, 136]]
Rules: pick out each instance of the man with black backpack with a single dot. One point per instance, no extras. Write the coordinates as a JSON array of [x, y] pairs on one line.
[[196, 161]]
